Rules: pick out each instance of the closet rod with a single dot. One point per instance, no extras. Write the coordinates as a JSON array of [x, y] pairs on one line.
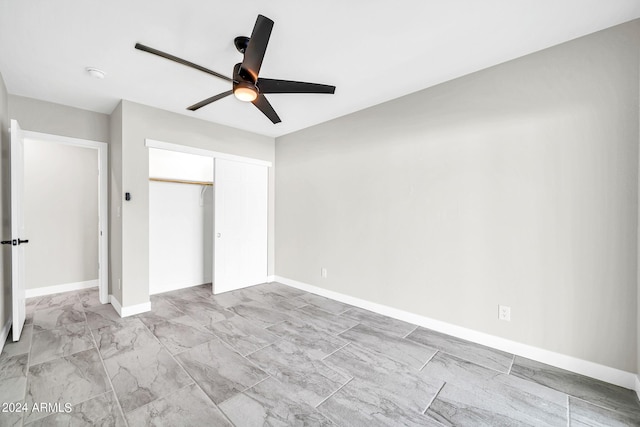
[[181, 181]]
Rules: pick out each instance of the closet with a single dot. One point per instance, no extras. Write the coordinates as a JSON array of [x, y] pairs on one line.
[[207, 221], [180, 220]]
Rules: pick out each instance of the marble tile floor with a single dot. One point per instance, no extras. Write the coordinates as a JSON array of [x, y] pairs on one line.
[[274, 355]]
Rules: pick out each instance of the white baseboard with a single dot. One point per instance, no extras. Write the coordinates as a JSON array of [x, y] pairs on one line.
[[271, 279], [56, 289], [637, 388], [130, 310], [570, 363], [4, 333]]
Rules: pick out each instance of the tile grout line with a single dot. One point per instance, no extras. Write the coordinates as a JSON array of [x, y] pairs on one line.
[[261, 348], [186, 372], [335, 351], [410, 332], [435, 396], [591, 403], [511, 365], [428, 360], [113, 390], [339, 388]]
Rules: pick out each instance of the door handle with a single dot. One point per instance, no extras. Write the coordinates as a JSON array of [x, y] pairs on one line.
[[22, 241], [5, 242]]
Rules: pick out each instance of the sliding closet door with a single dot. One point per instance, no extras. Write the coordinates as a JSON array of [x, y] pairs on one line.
[[240, 225]]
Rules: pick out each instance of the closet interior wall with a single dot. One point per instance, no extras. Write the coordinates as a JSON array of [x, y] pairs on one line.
[[180, 220]]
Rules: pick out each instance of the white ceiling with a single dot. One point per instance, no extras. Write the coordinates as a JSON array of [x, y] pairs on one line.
[[372, 51]]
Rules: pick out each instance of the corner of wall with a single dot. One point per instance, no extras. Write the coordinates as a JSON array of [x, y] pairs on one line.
[[5, 205]]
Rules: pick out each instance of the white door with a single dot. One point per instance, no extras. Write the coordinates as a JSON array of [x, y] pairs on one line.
[[17, 230], [240, 225]]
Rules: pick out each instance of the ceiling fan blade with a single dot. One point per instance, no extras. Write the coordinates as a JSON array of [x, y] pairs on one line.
[[266, 108], [254, 53], [288, 86], [180, 61], [208, 101]]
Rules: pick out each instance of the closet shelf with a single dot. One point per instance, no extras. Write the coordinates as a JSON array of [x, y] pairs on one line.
[[181, 181]]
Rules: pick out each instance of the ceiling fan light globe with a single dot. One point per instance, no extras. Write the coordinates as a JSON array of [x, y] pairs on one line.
[[245, 94]]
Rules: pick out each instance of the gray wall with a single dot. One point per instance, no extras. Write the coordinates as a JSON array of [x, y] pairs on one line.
[[140, 122], [60, 213], [515, 185], [5, 207], [115, 203], [57, 119]]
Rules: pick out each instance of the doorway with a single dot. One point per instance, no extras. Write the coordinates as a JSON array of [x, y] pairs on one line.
[[65, 214]]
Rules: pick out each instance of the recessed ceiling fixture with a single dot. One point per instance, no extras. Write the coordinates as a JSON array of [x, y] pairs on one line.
[[96, 73], [247, 86]]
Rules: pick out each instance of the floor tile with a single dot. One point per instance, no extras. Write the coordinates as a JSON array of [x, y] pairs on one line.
[[259, 314], [243, 335], [479, 396], [142, 376], [279, 288], [376, 371], [316, 342], [128, 335], [62, 341], [585, 388], [325, 304], [476, 353], [89, 297], [13, 378], [178, 334], [70, 379], [393, 327], [13, 348], [205, 312], [220, 371], [57, 300], [585, 414], [102, 315], [188, 406], [268, 403], [161, 307], [358, 404], [231, 298], [309, 380], [11, 419], [272, 300], [412, 354], [55, 317], [323, 320], [102, 410]]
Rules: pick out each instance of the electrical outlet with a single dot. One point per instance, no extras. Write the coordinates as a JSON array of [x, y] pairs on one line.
[[504, 313], [323, 273]]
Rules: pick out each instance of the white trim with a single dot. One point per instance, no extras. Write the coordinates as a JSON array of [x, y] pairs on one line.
[[116, 304], [638, 385], [130, 310], [570, 363], [103, 199], [152, 143], [56, 289], [4, 333], [271, 279]]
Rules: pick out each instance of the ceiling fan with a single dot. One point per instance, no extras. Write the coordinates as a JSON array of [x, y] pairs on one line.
[[247, 86]]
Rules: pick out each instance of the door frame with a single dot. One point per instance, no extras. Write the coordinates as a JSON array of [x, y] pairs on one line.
[[152, 143], [103, 200]]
